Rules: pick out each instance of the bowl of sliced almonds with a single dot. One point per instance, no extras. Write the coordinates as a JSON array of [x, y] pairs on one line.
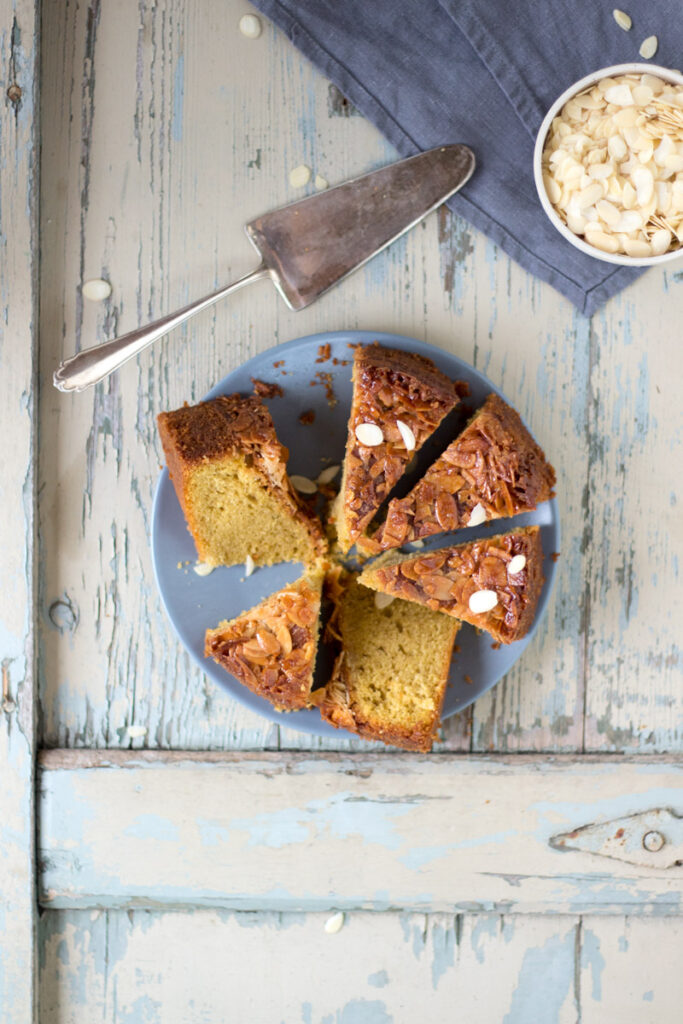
[[608, 164]]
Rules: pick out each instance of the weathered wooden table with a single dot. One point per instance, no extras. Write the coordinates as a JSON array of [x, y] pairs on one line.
[[158, 129]]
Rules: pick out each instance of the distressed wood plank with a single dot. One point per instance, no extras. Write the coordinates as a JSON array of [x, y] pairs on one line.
[[297, 832], [18, 392], [396, 967], [630, 969], [634, 525], [151, 192]]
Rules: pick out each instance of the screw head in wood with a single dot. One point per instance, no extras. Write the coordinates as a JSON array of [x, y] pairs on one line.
[[653, 841]]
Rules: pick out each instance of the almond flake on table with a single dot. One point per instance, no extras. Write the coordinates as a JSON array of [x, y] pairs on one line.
[[335, 923], [648, 47], [321, 183], [96, 289], [622, 19], [250, 26], [300, 176]]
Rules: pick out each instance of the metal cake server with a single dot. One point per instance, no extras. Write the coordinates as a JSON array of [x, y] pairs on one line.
[[308, 246]]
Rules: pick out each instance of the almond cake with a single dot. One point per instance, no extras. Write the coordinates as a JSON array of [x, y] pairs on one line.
[[389, 681], [494, 583], [398, 401], [493, 469], [229, 473], [271, 649]]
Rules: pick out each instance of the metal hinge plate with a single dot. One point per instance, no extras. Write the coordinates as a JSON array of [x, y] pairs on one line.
[[650, 839]]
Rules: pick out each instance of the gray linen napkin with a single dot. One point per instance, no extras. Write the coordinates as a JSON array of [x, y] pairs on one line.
[[484, 72]]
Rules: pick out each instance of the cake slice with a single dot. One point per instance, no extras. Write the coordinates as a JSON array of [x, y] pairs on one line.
[[399, 399], [228, 470], [271, 648], [389, 681], [493, 583], [493, 469]]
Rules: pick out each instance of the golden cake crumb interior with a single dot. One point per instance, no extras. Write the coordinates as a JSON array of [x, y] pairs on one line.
[[390, 680]]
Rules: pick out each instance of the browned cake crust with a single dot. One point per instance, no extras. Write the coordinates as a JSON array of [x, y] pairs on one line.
[[231, 425], [271, 648], [389, 385], [494, 463], [446, 579], [337, 708]]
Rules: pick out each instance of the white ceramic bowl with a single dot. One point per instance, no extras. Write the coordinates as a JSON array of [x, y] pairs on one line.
[[576, 240]]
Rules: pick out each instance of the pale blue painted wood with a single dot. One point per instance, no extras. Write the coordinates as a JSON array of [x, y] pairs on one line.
[[18, 345], [387, 968]]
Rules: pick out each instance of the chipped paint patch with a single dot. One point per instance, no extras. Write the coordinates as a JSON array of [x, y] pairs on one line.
[[591, 957], [443, 950], [546, 978]]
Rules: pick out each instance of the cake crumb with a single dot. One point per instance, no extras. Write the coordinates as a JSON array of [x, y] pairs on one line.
[[278, 363], [324, 378], [555, 556], [265, 390], [307, 417], [496, 645], [323, 353], [468, 680]]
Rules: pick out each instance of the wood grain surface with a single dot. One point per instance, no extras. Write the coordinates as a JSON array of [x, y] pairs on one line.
[[297, 832], [166, 130], [18, 415], [378, 969]]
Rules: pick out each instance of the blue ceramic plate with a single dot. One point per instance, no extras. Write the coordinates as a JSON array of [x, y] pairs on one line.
[[194, 603]]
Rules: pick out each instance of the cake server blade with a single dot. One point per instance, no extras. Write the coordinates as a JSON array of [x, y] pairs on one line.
[[308, 246], [311, 245]]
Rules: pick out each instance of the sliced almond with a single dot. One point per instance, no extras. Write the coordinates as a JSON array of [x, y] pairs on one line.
[[601, 240], [302, 484], [620, 95], [483, 601], [250, 26], [300, 176], [407, 435], [660, 241], [634, 247], [96, 290], [335, 923], [477, 515], [369, 434], [516, 564], [622, 19], [203, 568], [382, 600], [327, 475], [648, 47]]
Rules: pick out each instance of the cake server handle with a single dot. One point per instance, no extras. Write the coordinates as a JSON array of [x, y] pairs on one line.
[[92, 365]]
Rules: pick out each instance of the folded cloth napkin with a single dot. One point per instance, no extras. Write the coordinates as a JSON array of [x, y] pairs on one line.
[[483, 72]]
